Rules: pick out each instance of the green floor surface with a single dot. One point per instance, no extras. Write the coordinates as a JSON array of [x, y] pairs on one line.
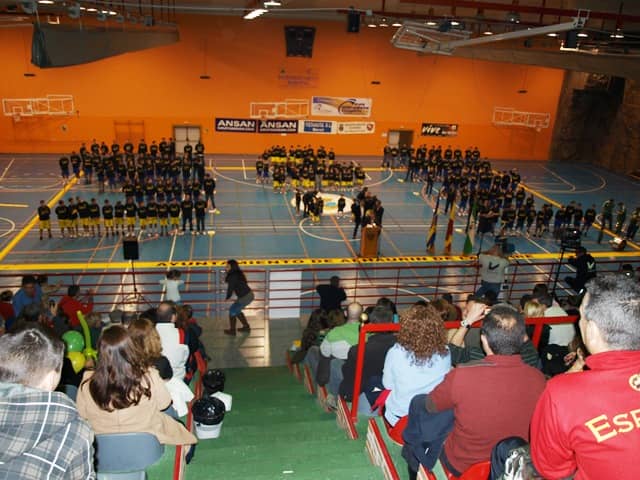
[[276, 431]]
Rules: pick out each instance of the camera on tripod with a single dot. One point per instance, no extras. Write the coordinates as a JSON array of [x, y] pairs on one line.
[[570, 239]]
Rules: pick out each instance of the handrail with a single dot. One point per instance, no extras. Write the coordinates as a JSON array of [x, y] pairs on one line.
[[537, 322]]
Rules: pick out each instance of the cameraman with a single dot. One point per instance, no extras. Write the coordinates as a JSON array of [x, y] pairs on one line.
[[585, 266]]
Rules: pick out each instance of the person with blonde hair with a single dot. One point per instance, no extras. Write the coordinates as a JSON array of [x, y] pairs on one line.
[[418, 361]]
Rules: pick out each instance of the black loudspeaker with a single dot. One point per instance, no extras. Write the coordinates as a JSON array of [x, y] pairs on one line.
[[130, 249], [353, 22], [299, 41]]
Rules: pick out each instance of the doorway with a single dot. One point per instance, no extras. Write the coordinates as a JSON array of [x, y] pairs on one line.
[[395, 138], [184, 134]]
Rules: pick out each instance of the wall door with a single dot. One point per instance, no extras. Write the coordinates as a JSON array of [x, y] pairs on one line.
[[184, 134], [396, 138]]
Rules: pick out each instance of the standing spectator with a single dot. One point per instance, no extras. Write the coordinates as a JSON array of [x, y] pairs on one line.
[[42, 434], [585, 424], [172, 284], [492, 265], [331, 295], [237, 284], [607, 213], [585, 266], [71, 304], [30, 292], [357, 214], [209, 186]]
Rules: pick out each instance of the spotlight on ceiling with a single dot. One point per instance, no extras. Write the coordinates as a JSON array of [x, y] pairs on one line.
[[383, 23], [272, 3], [513, 17]]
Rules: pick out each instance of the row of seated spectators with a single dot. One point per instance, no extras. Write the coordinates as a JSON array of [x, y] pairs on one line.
[[138, 381], [462, 391]]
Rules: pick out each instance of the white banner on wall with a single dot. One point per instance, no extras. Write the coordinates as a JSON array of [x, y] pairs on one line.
[[356, 127], [316, 126], [341, 106]]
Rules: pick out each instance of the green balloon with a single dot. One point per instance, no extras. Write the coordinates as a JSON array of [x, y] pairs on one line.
[[74, 341]]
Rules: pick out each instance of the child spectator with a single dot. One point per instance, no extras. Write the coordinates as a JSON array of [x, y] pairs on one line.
[[71, 303], [172, 285]]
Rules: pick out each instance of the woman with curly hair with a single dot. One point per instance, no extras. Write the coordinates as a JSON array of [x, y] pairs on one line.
[[418, 361], [124, 394]]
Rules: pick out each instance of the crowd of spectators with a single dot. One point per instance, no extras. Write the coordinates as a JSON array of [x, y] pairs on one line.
[[138, 382], [484, 390]]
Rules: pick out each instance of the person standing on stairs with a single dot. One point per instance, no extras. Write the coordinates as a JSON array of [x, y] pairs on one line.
[[237, 283]]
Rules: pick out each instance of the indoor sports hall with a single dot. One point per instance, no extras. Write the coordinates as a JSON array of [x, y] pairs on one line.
[[544, 90]]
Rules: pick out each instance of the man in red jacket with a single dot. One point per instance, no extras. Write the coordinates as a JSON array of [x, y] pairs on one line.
[[587, 424], [71, 304]]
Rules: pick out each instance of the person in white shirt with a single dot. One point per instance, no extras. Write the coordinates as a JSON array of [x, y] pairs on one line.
[[176, 352], [561, 334], [172, 284], [493, 265]]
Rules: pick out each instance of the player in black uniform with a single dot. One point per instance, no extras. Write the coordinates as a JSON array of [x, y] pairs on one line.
[[118, 212], [174, 215], [187, 213], [94, 217], [63, 218], [107, 217], [64, 169], [44, 217], [163, 217], [201, 209]]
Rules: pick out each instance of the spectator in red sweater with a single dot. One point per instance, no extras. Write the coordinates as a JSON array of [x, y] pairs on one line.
[[6, 308], [71, 303]]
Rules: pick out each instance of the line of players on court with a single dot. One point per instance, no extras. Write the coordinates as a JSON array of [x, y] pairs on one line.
[[305, 168], [162, 191]]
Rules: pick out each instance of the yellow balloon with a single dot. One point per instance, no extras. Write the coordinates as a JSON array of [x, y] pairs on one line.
[[77, 360]]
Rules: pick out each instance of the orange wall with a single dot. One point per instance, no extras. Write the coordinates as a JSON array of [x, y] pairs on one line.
[[244, 58]]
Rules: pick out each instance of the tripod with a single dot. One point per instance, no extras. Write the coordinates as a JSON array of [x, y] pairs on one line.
[[136, 297], [563, 249]]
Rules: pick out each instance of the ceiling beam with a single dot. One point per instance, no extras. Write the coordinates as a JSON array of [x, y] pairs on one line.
[[513, 7]]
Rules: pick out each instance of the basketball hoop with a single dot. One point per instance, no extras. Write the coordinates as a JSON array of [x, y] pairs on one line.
[[17, 117]]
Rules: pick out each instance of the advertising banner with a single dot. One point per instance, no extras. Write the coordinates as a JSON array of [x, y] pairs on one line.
[[313, 126], [341, 106], [242, 125], [356, 127], [439, 129], [277, 126]]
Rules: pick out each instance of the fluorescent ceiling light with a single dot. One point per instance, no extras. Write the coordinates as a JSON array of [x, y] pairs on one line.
[[383, 23], [255, 13], [83, 8], [396, 24], [488, 32], [431, 23], [111, 12], [46, 2], [91, 9], [371, 25], [618, 35], [583, 35], [272, 3], [552, 34], [454, 23]]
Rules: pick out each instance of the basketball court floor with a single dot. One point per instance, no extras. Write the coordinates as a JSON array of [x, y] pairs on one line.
[[261, 228]]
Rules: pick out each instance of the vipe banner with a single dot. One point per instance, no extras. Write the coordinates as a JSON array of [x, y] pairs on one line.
[[439, 130], [278, 126], [242, 125], [341, 106], [312, 126], [356, 127]]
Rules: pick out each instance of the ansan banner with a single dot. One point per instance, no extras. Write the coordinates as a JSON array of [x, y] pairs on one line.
[[341, 106], [439, 130], [278, 126], [349, 128], [242, 125], [316, 126]]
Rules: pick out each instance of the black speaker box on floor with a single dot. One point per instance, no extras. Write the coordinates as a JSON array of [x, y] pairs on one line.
[[130, 249]]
